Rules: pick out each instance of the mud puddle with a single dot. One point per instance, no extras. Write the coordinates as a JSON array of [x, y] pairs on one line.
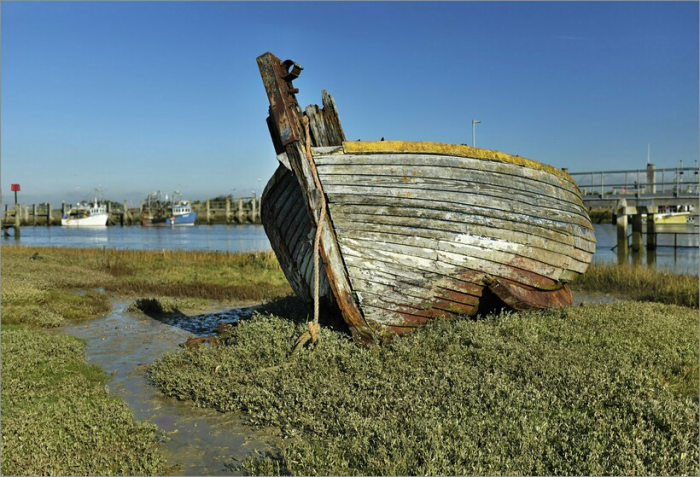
[[200, 441]]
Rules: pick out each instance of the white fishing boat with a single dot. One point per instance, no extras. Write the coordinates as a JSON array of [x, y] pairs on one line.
[[86, 214]]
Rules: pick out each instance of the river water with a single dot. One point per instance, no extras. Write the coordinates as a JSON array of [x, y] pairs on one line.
[[249, 238]]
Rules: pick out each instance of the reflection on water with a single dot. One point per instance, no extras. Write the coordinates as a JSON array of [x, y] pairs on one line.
[[682, 259], [222, 238]]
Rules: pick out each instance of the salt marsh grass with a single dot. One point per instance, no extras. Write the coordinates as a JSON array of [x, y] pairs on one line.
[[641, 283], [596, 389], [590, 390], [58, 418], [38, 281]]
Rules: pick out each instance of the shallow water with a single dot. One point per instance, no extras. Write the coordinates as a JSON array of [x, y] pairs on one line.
[[201, 441]]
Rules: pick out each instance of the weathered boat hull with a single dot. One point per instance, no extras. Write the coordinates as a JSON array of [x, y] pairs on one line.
[[434, 230], [415, 231], [427, 235]]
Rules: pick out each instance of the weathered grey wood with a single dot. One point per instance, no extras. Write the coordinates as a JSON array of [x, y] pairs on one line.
[[461, 188], [360, 229], [411, 214], [419, 297], [413, 236], [436, 280], [455, 177], [330, 252], [409, 164], [299, 235], [324, 124], [472, 203], [524, 233], [395, 321], [449, 263], [290, 207], [282, 200], [279, 242], [495, 250]]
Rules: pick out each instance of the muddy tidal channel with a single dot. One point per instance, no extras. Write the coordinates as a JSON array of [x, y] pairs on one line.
[[199, 441]]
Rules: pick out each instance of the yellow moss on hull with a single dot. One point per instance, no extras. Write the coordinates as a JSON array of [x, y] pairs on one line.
[[425, 147]]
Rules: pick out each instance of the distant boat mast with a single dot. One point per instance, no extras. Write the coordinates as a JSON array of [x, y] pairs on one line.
[[648, 153]]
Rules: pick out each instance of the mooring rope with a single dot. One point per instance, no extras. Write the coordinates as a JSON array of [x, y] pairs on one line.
[[314, 327]]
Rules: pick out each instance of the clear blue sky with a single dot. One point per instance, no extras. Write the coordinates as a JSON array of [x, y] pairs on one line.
[[134, 97]]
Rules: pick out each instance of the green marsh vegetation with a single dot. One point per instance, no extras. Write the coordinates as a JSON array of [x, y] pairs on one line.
[[641, 283], [590, 390], [595, 389], [57, 416], [587, 390]]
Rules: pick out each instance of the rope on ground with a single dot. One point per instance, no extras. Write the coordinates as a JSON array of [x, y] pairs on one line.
[[314, 327]]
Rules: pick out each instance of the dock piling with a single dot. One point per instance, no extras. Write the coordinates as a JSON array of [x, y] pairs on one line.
[[651, 228], [622, 244], [637, 232]]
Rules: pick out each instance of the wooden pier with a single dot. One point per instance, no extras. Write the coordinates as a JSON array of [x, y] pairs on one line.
[[11, 221], [243, 210], [634, 215]]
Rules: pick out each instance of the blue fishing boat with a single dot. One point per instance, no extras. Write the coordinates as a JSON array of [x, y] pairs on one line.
[[167, 212]]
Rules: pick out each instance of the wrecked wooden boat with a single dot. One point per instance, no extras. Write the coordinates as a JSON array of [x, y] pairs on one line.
[[414, 231]]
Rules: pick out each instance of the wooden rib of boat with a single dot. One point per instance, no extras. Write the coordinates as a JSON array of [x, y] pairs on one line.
[[415, 231]]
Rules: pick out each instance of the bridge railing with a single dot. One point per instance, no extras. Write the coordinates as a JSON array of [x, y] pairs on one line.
[[674, 182]]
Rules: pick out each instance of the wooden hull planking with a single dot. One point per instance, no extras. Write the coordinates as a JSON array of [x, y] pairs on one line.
[[414, 252], [290, 231], [416, 231], [422, 235]]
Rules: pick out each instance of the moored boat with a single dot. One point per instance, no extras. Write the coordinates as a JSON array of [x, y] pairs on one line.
[[86, 214], [414, 231], [167, 212], [675, 214]]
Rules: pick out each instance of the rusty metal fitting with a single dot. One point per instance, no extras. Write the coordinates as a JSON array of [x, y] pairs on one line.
[[292, 70]]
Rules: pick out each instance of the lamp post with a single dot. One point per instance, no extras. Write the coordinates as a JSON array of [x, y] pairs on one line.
[[474, 121]]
